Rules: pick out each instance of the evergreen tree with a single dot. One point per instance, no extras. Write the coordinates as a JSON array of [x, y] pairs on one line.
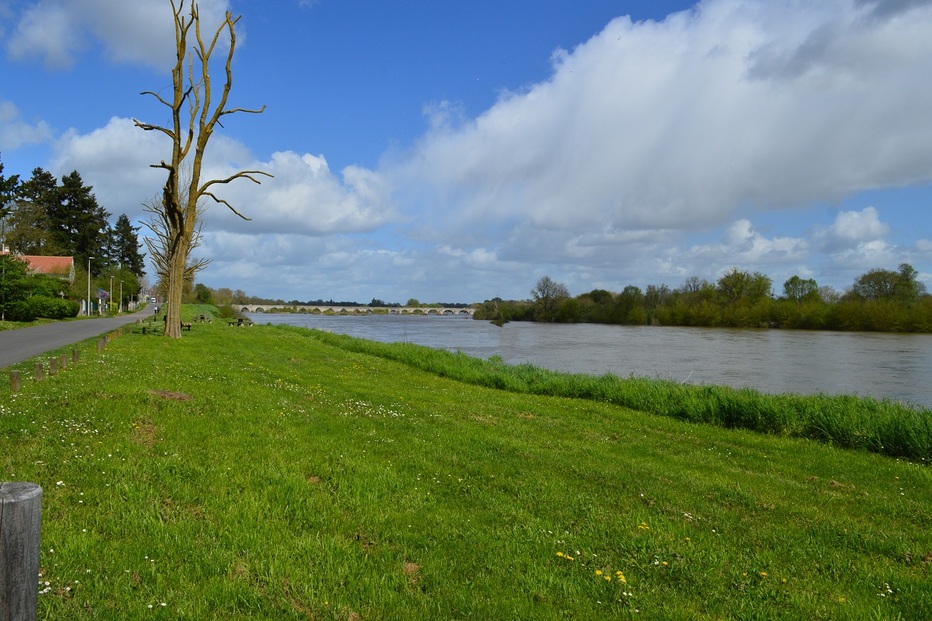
[[8, 190], [29, 226], [78, 224], [125, 246]]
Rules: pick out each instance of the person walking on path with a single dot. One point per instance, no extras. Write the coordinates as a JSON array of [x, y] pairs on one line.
[[25, 343]]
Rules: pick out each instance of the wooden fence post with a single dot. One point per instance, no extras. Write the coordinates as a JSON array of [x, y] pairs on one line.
[[63, 362], [40, 372], [75, 355], [53, 366], [100, 345], [16, 383], [20, 525]]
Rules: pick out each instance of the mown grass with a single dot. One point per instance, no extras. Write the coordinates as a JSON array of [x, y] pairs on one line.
[[264, 473]]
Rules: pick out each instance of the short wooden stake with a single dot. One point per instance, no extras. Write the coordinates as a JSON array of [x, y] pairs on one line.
[[75, 355], [40, 372], [63, 362], [16, 383], [100, 345], [53, 366], [20, 526]]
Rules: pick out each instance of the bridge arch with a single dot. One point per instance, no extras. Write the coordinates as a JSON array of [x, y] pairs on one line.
[[336, 309]]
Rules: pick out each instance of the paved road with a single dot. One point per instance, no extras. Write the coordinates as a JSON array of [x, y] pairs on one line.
[[25, 343]]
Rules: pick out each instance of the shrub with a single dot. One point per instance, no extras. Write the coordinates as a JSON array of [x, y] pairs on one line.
[[37, 306], [226, 311]]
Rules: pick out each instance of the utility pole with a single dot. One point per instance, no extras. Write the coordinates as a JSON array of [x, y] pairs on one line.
[[3, 274], [89, 286]]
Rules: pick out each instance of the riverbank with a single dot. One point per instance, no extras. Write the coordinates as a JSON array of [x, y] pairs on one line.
[[264, 473], [893, 367]]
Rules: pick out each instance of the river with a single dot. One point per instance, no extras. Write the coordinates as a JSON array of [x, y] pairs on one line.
[[892, 366]]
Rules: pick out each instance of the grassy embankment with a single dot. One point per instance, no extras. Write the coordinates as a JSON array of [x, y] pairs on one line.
[[265, 473]]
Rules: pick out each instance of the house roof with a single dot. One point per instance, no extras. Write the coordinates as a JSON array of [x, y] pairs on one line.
[[52, 266]]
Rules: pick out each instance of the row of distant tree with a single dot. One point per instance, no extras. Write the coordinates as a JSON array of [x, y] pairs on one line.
[[879, 300], [47, 216]]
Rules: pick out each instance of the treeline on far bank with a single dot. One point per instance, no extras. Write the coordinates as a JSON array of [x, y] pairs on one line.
[[879, 300]]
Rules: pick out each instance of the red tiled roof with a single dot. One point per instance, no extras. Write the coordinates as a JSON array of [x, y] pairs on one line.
[[53, 266]]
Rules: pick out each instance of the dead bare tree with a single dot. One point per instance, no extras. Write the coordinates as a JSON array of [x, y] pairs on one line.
[[193, 93], [160, 242]]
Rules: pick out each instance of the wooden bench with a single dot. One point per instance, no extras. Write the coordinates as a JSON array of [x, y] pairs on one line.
[[185, 326]]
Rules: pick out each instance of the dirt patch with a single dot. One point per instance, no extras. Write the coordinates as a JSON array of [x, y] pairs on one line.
[[411, 571], [171, 394], [144, 433]]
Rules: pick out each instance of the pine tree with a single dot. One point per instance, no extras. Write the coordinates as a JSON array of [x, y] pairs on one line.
[[125, 245], [78, 224], [8, 189], [30, 230]]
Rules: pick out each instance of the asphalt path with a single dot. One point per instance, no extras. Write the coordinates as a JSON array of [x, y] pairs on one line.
[[26, 343]]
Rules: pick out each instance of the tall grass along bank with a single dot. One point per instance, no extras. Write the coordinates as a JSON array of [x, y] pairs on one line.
[[880, 426], [266, 473]]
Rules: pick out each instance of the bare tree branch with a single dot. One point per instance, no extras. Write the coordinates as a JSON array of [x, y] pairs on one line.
[[176, 221]]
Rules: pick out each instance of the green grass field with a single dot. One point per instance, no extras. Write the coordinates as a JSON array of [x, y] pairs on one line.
[[273, 473]]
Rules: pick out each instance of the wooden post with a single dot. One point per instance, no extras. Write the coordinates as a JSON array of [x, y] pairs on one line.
[[53, 366], [20, 525], [16, 383], [75, 355], [100, 345], [63, 362], [40, 372]]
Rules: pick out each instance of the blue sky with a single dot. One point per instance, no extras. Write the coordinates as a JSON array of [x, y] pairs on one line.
[[458, 151]]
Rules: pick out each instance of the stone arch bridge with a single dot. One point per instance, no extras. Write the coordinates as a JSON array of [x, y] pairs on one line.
[[337, 309]]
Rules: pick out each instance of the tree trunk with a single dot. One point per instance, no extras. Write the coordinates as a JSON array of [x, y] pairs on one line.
[[176, 269]]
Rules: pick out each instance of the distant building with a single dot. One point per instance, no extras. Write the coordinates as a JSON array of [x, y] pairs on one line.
[[56, 267]]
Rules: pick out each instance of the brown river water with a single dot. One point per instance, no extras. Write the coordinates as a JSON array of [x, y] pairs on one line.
[[886, 366]]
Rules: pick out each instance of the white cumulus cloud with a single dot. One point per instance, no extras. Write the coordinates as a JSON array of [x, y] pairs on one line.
[[679, 123], [58, 31], [16, 132]]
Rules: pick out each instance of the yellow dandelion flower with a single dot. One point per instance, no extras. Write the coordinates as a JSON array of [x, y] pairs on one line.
[[559, 554], [621, 578], [609, 578], [763, 574], [598, 572], [643, 526]]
